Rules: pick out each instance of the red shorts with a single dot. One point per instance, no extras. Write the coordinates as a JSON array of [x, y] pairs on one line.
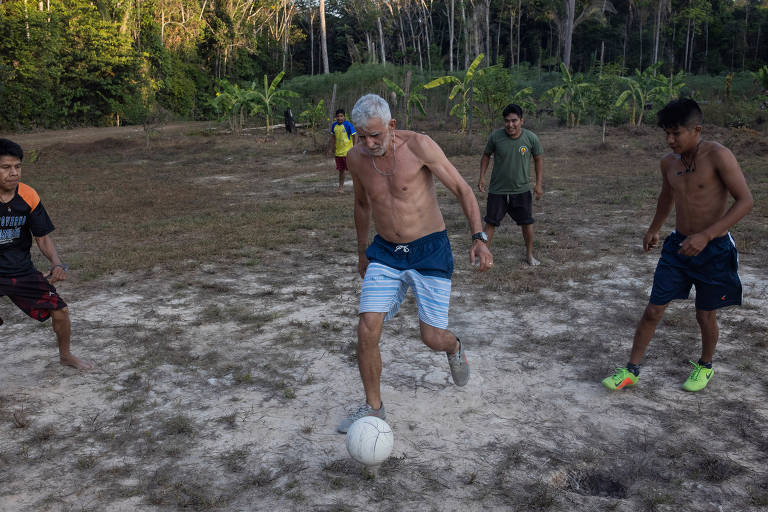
[[33, 294], [341, 163]]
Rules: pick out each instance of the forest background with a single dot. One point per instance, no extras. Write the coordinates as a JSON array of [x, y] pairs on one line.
[[70, 63]]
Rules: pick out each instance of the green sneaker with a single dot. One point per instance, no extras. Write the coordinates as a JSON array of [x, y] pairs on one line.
[[621, 378], [699, 377]]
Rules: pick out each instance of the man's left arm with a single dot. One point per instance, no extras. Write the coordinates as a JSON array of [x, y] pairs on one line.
[[733, 178], [45, 244], [436, 161], [538, 166]]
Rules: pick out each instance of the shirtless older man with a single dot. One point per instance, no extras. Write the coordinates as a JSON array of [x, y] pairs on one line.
[[697, 178], [393, 173]]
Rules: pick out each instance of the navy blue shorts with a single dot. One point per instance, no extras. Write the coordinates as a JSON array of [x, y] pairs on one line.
[[518, 206], [430, 255], [714, 271]]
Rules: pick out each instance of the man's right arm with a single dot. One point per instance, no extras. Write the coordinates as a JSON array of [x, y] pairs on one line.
[[484, 161], [362, 214], [663, 208]]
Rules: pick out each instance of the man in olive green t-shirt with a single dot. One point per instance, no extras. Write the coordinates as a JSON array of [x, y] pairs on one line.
[[513, 148]]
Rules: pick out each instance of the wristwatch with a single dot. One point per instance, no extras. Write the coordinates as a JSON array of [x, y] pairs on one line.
[[480, 235]]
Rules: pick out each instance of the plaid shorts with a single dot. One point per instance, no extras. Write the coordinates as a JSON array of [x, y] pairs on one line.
[[33, 294]]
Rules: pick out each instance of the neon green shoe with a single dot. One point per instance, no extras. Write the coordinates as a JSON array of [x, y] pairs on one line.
[[699, 377], [621, 378]]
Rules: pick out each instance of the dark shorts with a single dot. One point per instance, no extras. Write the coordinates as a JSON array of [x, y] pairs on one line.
[[429, 255], [518, 206], [341, 163], [714, 271], [33, 294]]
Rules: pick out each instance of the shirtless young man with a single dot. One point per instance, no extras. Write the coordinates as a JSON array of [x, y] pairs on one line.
[[697, 178], [23, 217], [393, 174]]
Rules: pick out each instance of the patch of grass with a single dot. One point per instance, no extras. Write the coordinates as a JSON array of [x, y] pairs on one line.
[[179, 424], [235, 459]]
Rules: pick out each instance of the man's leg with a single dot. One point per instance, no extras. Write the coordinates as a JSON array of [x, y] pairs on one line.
[[445, 341], [441, 340], [62, 328], [646, 327], [341, 180], [369, 357], [489, 230], [709, 333], [527, 230]]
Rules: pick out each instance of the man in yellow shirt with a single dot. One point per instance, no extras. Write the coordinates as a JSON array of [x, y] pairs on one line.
[[343, 137]]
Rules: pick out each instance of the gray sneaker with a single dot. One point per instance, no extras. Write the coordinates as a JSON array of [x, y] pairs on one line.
[[361, 412], [459, 366]]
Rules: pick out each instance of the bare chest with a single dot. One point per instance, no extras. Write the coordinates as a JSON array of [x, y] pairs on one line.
[[696, 180], [401, 181]]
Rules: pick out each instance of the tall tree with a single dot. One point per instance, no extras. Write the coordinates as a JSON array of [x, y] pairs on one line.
[[323, 40]]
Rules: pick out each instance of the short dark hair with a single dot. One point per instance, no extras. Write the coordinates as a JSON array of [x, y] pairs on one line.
[[340, 111], [8, 147], [681, 112], [512, 109]]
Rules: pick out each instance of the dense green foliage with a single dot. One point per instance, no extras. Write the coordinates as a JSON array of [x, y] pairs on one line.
[[72, 62]]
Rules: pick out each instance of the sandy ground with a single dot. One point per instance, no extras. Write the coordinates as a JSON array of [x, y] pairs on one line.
[[195, 407]]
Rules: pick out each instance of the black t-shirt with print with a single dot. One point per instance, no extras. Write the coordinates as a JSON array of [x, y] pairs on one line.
[[20, 219]]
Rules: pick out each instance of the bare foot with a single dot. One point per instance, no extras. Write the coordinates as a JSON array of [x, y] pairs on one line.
[[532, 261], [340, 190], [70, 360]]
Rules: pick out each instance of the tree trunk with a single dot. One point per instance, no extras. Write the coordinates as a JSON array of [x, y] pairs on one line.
[[624, 50], [746, 28], [693, 37], [519, 18], [687, 38], [487, 9], [381, 39], [286, 27], [323, 40], [407, 94], [570, 8], [641, 43], [511, 38], [466, 35], [312, 45], [332, 104], [658, 32], [450, 8]]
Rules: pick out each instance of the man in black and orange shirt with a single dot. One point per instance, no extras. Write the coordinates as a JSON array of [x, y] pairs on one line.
[[23, 217]]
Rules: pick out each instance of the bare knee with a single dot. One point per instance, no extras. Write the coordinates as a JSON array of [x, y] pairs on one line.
[[437, 339], [653, 314], [59, 315], [369, 328], [706, 317]]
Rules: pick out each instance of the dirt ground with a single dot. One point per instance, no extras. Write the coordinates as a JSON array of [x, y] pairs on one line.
[[225, 350]]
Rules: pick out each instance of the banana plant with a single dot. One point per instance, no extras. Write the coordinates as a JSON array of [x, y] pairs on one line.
[[265, 102], [571, 95], [314, 117], [642, 88], [761, 78], [461, 87], [415, 99], [232, 101]]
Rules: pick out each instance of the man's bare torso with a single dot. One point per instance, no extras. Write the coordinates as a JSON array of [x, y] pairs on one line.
[[701, 197], [403, 202]]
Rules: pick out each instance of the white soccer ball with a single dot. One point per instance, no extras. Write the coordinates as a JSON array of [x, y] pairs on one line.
[[370, 440]]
